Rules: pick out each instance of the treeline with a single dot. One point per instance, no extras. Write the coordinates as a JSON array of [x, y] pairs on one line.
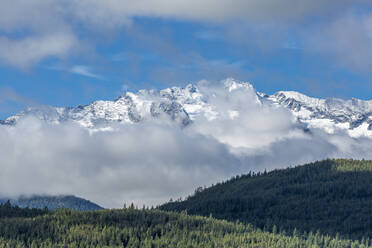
[[332, 196], [148, 229], [9, 211]]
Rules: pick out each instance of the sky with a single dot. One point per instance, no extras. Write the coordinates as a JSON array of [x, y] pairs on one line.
[[73, 52]]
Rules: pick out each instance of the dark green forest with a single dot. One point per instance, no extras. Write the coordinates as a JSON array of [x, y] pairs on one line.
[[332, 196], [144, 228]]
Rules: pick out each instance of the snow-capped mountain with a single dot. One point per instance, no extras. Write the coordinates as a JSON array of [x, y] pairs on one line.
[[354, 115], [183, 105]]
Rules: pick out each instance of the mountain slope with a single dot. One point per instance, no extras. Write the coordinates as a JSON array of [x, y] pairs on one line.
[[329, 114], [333, 196], [53, 202], [145, 228], [183, 105]]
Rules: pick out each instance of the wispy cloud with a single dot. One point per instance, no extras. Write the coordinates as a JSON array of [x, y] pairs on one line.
[[11, 102], [84, 71], [347, 40]]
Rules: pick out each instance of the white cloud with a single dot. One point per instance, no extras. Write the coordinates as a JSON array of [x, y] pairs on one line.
[[85, 71], [32, 31], [82, 70], [141, 163], [154, 161], [37, 16], [244, 122], [48, 28], [25, 52]]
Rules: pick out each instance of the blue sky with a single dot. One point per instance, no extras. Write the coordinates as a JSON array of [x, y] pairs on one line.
[[74, 52]]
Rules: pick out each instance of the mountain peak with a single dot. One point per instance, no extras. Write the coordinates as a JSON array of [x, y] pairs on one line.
[[183, 105], [231, 84], [296, 96]]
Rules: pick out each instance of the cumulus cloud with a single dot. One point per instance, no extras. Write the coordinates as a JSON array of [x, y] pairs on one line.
[[146, 163], [153, 161], [32, 31], [39, 25], [243, 121], [25, 52]]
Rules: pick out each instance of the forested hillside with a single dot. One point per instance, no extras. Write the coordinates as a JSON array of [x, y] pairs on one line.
[[143, 229], [332, 196], [53, 202]]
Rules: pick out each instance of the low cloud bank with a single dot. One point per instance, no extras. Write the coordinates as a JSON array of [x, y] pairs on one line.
[[151, 162]]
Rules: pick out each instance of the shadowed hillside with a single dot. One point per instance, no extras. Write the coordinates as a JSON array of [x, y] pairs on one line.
[[333, 196]]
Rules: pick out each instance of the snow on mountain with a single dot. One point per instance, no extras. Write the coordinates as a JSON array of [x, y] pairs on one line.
[[354, 116], [183, 105], [129, 108]]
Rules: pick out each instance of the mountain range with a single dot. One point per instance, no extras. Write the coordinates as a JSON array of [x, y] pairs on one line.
[[185, 104]]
